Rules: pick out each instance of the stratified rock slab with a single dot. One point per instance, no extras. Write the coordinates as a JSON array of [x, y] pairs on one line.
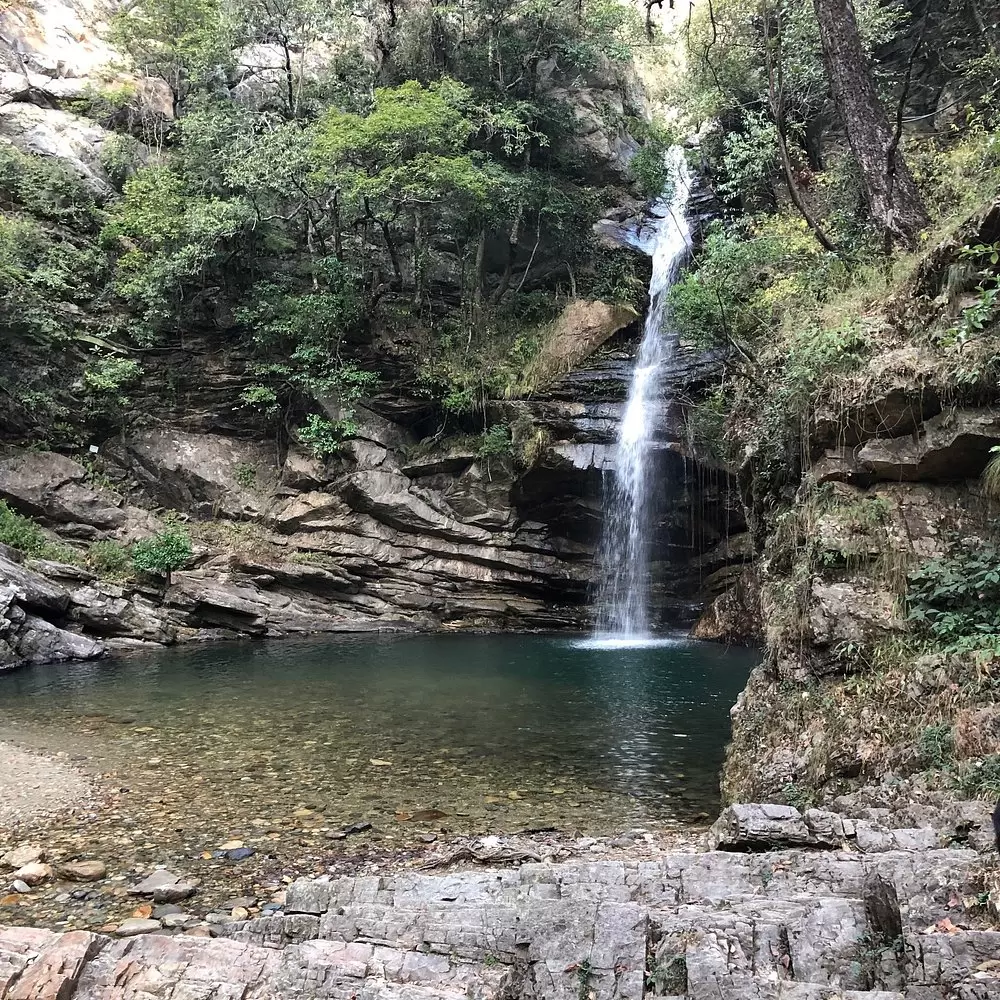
[[801, 924]]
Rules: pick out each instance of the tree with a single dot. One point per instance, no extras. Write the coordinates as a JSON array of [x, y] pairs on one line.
[[186, 43], [892, 195], [163, 553]]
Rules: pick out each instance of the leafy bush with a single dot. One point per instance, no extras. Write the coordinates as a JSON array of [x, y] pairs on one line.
[[494, 441], [21, 532], [323, 436], [165, 552], [109, 559], [982, 779], [955, 600], [936, 746]]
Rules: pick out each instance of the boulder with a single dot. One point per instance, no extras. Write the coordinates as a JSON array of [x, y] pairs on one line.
[[302, 471], [34, 873], [32, 590], [57, 38], [209, 601], [582, 327], [25, 855], [39, 641], [735, 614], [758, 827], [205, 475], [74, 141], [852, 611], [106, 610], [388, 498], [137, 925], [82, 871], [164, 887], [51, 487]]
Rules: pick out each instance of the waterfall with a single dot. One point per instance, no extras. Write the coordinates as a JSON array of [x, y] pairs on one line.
[[629, 509]]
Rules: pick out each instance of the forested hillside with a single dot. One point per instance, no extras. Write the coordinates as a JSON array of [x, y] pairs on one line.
[[303, 177]]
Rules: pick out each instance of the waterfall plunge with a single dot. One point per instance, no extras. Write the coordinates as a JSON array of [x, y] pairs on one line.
[[624, 555]]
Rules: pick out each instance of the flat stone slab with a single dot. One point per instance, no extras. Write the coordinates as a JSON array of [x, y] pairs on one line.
[[798, 924]]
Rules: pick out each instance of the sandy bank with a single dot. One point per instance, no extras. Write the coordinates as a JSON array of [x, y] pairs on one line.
[[33, 786]]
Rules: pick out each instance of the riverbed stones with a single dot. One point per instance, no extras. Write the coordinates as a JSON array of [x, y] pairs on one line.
[[25, 855], [137, 925], [164, 887], [34, 873], [800, 924], [83, 871]]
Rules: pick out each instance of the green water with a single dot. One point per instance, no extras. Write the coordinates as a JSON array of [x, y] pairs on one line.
[[497, 732]]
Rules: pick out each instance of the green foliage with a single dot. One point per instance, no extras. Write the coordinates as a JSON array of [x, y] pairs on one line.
[[982, 779], [107, 379], [494, 442], [669, 977], [22, 533], [614, 277], [749, 159], [186, 43], [44, 187], [991, 474], [936, 746], [462, 375], [323, 436], [109, 559], [955, 600], [167, 242], [245, 475], [164, 552], [797, 796]]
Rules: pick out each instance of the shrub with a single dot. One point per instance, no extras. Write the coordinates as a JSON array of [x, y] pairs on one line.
[[936, 746], [165, 552], [955, 601], [109, 559], [21, 532], [495, 441], [323, 437], [982, 780]]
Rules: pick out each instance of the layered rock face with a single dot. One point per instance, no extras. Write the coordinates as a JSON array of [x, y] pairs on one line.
[[393, 532]]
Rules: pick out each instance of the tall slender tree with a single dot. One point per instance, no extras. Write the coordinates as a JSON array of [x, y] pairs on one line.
[[892, 195]]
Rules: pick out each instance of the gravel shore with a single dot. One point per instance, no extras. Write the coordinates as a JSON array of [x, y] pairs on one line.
[[33, 786]]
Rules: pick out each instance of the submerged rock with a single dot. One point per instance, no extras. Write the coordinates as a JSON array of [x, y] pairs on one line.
[[83, 871], [164, 887]]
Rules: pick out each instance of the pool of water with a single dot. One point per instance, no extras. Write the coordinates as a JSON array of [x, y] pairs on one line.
[[481, 733]]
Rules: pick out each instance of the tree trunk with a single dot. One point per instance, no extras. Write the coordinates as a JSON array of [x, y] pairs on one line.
[[892, 195]]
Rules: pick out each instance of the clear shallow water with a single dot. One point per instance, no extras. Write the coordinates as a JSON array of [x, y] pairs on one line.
[[498, 732]]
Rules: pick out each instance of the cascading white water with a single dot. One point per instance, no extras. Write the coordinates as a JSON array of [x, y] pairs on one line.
[[624, 555]]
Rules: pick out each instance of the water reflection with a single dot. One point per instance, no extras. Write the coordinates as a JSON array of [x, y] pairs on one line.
[[461, 720]]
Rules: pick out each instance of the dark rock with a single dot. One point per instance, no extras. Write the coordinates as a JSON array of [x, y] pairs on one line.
[[952, 446], [360, 827]]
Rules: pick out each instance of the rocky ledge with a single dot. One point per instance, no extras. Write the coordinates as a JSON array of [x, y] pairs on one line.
[[804, 923]]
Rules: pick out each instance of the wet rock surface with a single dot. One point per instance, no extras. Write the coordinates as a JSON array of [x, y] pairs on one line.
[[809, 925]]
